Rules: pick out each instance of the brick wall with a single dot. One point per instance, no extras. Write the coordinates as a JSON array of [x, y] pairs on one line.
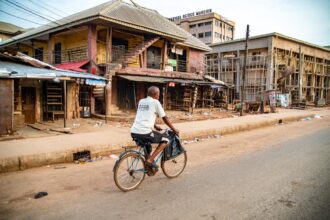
[[196, 61]]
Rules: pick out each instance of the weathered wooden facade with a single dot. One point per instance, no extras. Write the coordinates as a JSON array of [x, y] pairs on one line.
[[118, 39], [32, 92]]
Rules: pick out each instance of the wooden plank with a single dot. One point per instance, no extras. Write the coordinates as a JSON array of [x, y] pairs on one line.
[[6, 106]]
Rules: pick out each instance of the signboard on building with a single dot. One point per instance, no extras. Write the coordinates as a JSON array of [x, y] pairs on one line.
[[192, 14]]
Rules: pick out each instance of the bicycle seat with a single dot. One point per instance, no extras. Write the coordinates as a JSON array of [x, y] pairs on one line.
[[141, 143]]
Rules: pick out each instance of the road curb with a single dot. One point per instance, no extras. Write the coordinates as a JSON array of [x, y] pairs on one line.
[[36, 160]]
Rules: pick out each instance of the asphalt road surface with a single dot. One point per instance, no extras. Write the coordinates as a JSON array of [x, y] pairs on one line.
[[280, 172]]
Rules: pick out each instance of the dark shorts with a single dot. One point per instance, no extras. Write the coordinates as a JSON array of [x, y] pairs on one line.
[[153, 137]]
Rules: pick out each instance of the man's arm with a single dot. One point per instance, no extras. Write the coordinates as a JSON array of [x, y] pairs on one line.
[[169, 124]]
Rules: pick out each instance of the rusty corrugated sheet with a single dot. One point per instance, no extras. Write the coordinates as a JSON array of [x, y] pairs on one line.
[[6, 106]]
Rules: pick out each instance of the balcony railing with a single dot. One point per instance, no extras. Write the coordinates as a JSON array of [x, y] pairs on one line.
[[70, 55]]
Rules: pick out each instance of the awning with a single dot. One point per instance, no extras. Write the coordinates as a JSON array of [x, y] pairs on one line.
[[10, 69], [163, 80], [74, 66]]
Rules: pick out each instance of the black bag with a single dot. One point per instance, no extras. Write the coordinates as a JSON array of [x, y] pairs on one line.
[[173, 148]]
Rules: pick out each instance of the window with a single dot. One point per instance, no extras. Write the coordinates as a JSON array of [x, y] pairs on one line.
[[208, 34], [39, 53], [208, 23], [256, 56], [220, 24], [217, 23], [201, 35], [194, 35], [58, 53], [192, 26], [200, 24], [217, 35]]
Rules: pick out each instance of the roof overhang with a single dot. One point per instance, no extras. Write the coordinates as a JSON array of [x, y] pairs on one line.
[[162, 80]]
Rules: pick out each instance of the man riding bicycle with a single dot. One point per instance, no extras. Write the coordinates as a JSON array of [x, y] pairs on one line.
[[142, 129]]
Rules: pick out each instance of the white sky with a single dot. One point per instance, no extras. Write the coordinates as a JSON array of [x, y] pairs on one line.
[[307, 20]]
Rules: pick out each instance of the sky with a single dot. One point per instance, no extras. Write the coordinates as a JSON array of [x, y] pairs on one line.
[[307, 20]]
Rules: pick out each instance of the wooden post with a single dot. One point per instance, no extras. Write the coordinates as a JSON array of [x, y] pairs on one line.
[[92, 46], [108, 74], [65, 103], [50, 48], [145, 58], [165, 58], [244, 67]]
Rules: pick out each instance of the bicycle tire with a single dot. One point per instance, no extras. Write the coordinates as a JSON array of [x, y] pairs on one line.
[[166, 169], [118, 165]]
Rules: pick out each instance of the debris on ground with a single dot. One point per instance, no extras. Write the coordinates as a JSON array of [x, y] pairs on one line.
[[59, 167], [98, 124], [82, 157], [40, 195], [113, 156], [307, 119], [317, 116], [280, 122]]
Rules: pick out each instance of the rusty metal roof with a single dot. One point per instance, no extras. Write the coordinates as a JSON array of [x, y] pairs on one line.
[[122, 13], [162, 80], [23, 66], [74, 66]]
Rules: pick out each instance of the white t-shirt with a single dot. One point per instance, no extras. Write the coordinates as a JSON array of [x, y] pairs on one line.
[[146, 114]]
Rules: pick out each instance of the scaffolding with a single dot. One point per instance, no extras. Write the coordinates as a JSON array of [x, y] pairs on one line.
[[305, 80], [229, 69]]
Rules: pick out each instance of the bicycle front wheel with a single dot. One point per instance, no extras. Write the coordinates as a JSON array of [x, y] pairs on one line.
[[174, 167], [129, 172]]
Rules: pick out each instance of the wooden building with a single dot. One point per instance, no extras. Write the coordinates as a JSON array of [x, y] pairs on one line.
[[132, 46]]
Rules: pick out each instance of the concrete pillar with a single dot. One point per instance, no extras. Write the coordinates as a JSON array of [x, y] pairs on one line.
[[270, 65], [301, 67], [92, 48], [322, 80], [313, 81], [276, 69]]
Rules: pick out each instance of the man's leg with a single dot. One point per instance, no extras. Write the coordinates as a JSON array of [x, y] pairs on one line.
[[159, 149]]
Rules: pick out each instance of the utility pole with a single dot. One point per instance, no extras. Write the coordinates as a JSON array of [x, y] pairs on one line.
[[244, 68]]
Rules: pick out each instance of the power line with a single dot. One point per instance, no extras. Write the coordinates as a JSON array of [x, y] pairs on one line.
[[41, 6], [62, 12], [32, 10], [19, 9], [28, 10], [22, 18]]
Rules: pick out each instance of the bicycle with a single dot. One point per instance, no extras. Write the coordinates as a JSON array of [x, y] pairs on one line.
[[130, 168]]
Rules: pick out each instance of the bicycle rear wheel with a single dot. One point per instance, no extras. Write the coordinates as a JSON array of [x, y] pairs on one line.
[[129, 172], [174, 167]]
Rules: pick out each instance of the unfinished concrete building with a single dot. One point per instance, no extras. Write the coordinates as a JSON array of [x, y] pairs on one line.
[[274, 62]]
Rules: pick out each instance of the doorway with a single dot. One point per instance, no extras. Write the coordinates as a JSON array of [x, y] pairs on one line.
[[28, 104]]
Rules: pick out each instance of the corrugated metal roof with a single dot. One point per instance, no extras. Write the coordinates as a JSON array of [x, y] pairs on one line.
[[163, 80], [9, 28], [16, 70], [121, 13]]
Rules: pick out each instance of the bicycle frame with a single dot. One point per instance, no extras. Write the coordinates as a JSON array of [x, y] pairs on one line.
[[142, 152]]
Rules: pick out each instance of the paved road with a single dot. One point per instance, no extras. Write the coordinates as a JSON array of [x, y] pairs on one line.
[[282, 172]]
